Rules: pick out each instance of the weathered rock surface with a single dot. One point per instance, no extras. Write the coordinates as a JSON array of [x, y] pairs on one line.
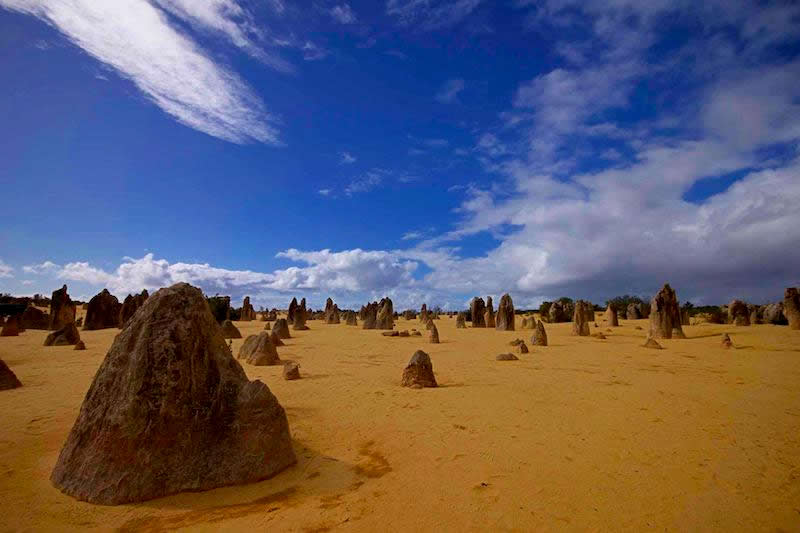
[[738, 313], [170, 410], [281, 329], [33, 318], [557, 313], [773, 314], [633, 312], [103, 312], [504, 319], [477, 309], [369, 316], [130, 305], [276, 340], [580, 318], [385, 317], [62, 309], [611, 316], [66, 336], [248, 311], [291, 371], [11, 327], [258, 350], [300, 316], [229, 331], [80, 345], [433, 335], [539, 337], [521, 348], [665, 313], [461, 320], [506, 357], [419, 372], [292, 308], [351, 319], [331, 312], [652, 343], [791, 307], [8, 380], [488, 315]]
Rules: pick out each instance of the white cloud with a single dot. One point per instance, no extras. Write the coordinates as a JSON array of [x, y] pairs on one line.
[[136, 39], [313, 52], [366, 182], [347, 158], [412, 235], [343, 14], [6, 271], [431, 14], [324, 192], [42, 268], [449, 92]]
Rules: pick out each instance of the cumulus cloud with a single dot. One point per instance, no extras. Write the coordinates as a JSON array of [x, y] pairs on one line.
[[42, 268], [135, 38]]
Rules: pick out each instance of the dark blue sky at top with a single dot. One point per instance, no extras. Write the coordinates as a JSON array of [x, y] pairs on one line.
[[93, 171]]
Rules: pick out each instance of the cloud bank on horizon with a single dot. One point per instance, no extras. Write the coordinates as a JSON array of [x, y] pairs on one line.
[[654, 142]]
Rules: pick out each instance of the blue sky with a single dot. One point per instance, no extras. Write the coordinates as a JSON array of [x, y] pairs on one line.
[[428, 150]]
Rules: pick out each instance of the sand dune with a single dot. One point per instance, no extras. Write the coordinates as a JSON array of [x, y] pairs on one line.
[[582, 434]]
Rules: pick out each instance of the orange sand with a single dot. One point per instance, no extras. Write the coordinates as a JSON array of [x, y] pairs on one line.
[[585, 434]]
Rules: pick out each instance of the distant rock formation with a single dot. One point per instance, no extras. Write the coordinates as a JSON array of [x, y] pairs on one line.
[[369, 316], [580, 318], [419, 372], [331, 312], [292, 308], [611, 316], [433, 335], [539, 337], [504, 319], [791, 307], [62, 309], [66, 336], [506, 357], [521, 348], [103, 312], [557, 313], [665, 314], [33, 318], [258, 350], [461, 320], [130, 305], [8, 380], [726, 341], [350, 318], [385, 318], [80, 345], [229, 331], [634, 312], [477, 309], [248, 312], [203, 424], [738, 313], [773, 314], [423, 314]]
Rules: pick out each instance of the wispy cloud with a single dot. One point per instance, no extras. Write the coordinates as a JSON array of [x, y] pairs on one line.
[[324, 192], [137, 40], [6, 271], [449, 92], [366, 182], [347, 158], [313, 52], [343, 14], [431, 14], [411, 235]]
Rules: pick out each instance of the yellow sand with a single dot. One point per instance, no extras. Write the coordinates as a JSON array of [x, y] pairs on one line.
[[585, 434]]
